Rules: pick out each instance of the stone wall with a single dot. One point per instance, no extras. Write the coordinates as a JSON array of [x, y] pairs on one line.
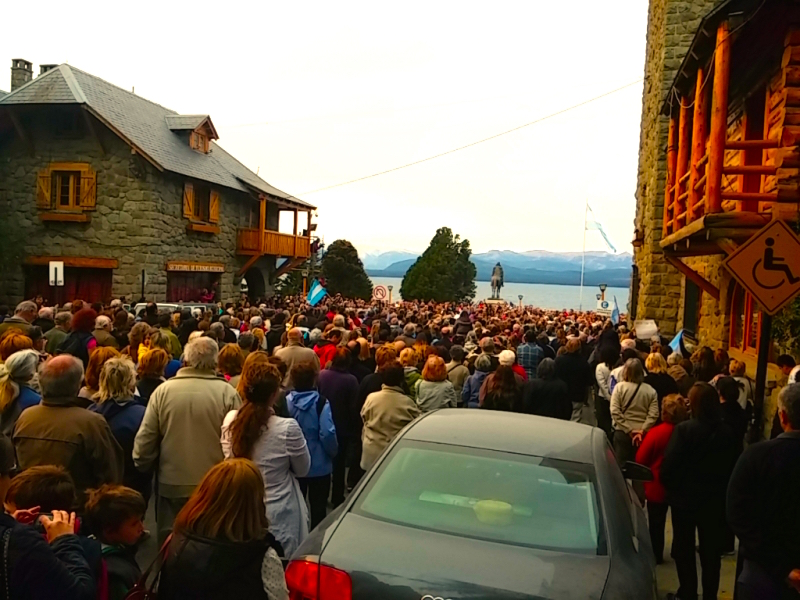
[[138, 219], [671, 28]]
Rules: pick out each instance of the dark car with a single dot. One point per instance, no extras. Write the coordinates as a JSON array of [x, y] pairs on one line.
[[484, 505]]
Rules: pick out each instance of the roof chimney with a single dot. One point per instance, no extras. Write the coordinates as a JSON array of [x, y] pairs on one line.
[[45, 68], [21, 72]]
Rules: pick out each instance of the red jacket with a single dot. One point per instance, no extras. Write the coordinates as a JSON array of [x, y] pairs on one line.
[[651, 454], [325, 351], [520, 371]]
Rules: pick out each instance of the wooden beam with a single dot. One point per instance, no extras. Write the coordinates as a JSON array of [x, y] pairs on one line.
[[719, 118], [89, 262], [683, 233], [671, 160], [698, 145], [262, 222], [295, 232], [727, 245], [694, 277], [87, 118], [250, 262], [752, 144], [20, 130], [683, 164], [750, 170], [202, 228]]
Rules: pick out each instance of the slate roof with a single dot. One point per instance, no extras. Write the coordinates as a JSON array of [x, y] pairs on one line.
[[183, 122], [143, 124], [2, 93]]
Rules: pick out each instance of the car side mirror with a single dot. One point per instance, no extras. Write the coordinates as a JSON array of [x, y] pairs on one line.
[[636, 472]]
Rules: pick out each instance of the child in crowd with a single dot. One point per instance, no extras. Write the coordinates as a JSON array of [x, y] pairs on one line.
[[41, 489], [114, 513]]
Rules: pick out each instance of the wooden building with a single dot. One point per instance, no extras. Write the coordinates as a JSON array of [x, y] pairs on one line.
[[122, 189], [733, 161]]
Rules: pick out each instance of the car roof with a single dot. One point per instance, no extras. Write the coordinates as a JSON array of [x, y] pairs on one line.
[[505, 432]]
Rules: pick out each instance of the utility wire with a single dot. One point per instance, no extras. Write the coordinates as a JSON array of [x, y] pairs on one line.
[[550, 116]]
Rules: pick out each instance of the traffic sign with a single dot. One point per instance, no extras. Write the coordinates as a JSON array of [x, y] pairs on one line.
[[379, 293], [768, 266]]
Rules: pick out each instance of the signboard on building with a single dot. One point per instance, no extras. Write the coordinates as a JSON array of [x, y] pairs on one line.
[[195, 267], [768, 266], [56, 272]]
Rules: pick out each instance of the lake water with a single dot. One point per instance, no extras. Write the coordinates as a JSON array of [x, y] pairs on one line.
[[542, 295]]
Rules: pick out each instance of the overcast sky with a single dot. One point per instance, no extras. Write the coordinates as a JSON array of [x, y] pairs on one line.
[[313, 94]]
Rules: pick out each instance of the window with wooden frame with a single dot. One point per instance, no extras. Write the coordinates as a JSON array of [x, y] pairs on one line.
[[66, 187], [745, 321], [201, 207], [199, 141]]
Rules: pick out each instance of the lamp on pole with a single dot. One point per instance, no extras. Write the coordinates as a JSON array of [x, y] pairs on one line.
[[305, 282], [520, 300], [603, 288], [390, 288], [599, 297]]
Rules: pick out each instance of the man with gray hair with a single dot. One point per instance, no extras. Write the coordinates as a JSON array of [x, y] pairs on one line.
[[763, 496], [24, 315], [102, 332], [60, 432], [45, 319], [181, 429], [58, 333], [217, 331]]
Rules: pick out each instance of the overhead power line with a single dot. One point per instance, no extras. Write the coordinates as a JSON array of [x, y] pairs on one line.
[[539, 120]]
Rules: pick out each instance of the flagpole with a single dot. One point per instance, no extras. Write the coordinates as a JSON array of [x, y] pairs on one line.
[[583, 260]]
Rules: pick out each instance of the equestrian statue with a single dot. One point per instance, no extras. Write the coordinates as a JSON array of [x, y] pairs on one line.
[[497, 281]]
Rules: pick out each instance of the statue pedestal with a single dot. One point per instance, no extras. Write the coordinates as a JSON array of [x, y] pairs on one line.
[[492, 302]]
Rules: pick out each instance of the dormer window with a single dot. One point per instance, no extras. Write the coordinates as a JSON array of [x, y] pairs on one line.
[[199, 141], [199, 128]]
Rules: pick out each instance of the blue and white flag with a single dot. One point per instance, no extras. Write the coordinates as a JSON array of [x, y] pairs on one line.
[[594, 225], [615, 312], [316, 293]]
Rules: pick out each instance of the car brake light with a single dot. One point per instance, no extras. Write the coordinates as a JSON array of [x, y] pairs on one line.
[[308, 580]]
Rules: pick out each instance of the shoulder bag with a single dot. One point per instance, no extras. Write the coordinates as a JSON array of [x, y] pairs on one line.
[[148, 591]]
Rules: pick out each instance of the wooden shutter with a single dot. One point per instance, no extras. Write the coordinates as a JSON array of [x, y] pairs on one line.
[[213, 207], [88, 200], [43, 191], [188, 200]]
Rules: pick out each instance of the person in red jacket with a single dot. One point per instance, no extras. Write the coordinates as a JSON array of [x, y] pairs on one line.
[[651, 454], [326, 347]]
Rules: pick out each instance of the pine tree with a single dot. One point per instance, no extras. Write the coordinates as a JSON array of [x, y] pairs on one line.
[[344, 272], [444, 272]]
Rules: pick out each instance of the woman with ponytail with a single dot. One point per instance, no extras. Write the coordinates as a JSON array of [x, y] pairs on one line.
[[275, 444], [16, 387]]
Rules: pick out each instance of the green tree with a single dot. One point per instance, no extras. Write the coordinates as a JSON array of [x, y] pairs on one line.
[[344, 272], [291, 284], [444, 272]]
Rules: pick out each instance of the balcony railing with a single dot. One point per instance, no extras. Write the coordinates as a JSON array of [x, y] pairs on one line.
[[254, 242]]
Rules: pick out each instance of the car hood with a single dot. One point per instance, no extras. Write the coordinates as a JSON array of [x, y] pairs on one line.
[[393, 562]]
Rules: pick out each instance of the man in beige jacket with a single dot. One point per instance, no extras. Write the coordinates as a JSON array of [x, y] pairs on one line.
[[295, 353], [385, 413], [181, 429]]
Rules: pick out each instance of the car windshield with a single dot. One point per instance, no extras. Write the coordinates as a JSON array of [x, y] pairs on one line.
[[500, 497]]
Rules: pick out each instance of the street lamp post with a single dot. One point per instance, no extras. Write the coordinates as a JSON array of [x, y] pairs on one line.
[[603, 288], [520, 300], [390, 288], [305, 282]]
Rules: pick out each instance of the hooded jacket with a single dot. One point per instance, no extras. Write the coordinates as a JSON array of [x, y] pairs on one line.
[[325, 350], [319, 431], [199, 568]]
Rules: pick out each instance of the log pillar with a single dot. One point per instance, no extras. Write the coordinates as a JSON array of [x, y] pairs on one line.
[[719, 119]]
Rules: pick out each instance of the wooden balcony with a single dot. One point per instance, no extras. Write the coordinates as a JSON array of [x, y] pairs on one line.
[[726, 179], [252, 242]]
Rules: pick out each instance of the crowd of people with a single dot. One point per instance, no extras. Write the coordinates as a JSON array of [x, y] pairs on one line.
[[243, 425]]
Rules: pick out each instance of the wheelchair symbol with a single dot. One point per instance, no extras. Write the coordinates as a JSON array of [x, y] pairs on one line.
[[770, 262]]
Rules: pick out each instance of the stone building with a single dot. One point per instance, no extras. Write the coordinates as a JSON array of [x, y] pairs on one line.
[[122, 189], [718, 160]]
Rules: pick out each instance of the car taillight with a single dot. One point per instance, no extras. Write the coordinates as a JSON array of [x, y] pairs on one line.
[[308, 580]]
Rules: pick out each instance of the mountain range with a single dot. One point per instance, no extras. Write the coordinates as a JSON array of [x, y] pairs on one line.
[[535, 266]]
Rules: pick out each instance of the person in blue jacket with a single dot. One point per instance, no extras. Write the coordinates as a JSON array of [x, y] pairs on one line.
[[312, 411]]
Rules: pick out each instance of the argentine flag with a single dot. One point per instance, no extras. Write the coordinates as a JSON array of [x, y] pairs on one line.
[[316, 293], [615, 312], [594, 225]]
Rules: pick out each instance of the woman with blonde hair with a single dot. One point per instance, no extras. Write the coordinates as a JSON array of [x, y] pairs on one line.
[[157, 339], [659, 378], [434, 390], [223, 526], [410, 359], [136, 337], [277, 446], [651, 454], [150, 373], [91, 379], [16, 389], [116, 403]]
